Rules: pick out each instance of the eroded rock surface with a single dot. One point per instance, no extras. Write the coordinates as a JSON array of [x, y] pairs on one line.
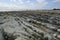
[[16, 29], [29, 27]]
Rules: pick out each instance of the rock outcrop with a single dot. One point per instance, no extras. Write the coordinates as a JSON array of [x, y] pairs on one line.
[[30, 27]]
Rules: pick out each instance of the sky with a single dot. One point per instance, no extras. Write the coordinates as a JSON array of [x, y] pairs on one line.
[[28, 4]]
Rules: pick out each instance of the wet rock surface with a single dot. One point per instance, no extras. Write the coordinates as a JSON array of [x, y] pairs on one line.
[[30, 27]]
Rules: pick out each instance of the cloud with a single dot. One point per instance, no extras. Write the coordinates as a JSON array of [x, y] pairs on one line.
[[28, 1], [5, 6], [21, 1], [18, 1], [13, 0], [42, 2], [11, 6], [23, 4], [32, 4], [56, 0], [39, 3]]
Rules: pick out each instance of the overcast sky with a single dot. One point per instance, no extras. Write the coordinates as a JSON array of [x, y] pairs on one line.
[[28, 4]]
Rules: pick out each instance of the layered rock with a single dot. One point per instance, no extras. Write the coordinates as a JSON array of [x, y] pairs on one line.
[[16, 29], [31, 27]]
